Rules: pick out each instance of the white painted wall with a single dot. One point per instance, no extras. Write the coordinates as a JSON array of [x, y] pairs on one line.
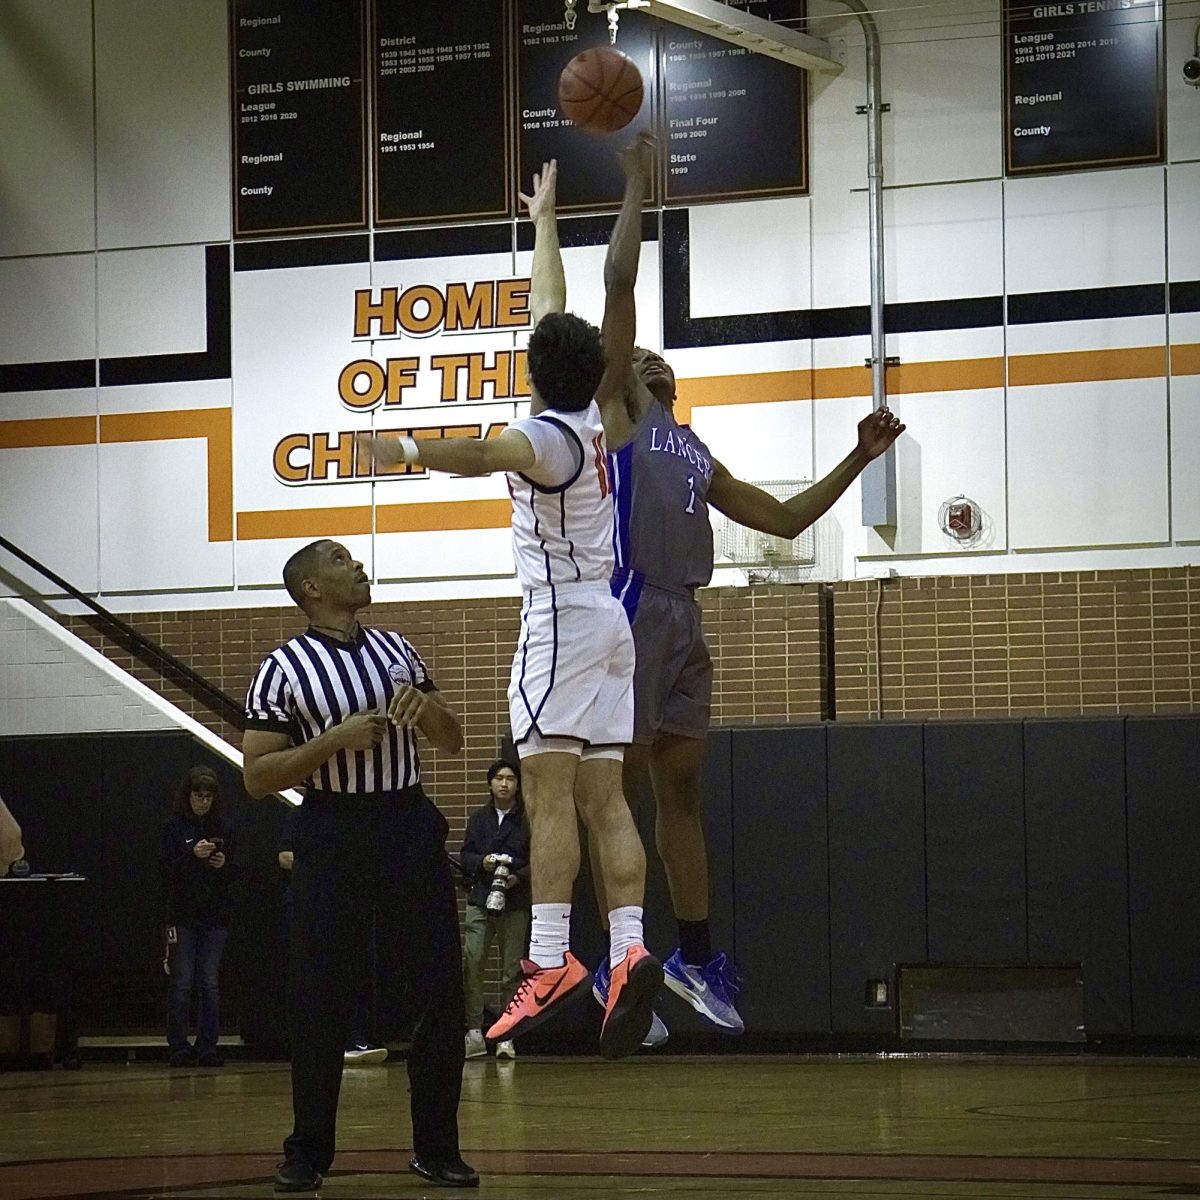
[[116, 175]]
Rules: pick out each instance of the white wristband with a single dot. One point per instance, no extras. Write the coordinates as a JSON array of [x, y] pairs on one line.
[[410, 450]]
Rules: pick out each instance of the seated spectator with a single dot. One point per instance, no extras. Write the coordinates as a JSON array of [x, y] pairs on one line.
[[11, 849], [196, 863], [498, 902]]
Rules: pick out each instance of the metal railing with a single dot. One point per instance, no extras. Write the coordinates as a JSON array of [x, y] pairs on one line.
[[167, 665]]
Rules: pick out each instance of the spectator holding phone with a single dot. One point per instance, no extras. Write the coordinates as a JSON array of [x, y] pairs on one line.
[[196, 863], [11, 849]]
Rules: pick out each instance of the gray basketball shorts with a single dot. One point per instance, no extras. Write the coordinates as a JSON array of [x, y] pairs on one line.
[[673, 674]]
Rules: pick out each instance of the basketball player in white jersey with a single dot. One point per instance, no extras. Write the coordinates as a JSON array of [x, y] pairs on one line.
[[571, 691], [664, 478]]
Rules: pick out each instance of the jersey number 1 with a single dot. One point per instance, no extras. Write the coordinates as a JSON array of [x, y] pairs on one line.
[[691, 507]]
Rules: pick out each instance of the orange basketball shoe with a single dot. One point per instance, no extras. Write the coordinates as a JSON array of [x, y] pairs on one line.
[[542, 989], [630, 1009]]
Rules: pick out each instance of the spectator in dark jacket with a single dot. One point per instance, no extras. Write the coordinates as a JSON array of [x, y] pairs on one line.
[[10, 839], [196, 859], [498, 828]]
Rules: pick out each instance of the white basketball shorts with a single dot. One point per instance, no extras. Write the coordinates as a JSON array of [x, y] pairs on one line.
[[572, 673]]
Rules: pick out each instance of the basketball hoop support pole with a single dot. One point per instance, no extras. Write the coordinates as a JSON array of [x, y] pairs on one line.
[[879, 479]]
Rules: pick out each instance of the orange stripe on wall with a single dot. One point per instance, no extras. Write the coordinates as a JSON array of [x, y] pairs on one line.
[[955, 375], [434, 517], [448, 514], [47, 431], [832, 383], [827, 383], [969, 374], [303, 522], [1088, 366], [167, 426], [1185, 359], [215, 425], [220, 477], [761, 388]]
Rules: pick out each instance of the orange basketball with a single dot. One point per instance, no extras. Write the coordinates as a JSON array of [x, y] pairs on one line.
[[600, 90]]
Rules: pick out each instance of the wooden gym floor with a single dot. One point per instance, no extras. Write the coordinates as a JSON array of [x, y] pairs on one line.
[[941, 1128]]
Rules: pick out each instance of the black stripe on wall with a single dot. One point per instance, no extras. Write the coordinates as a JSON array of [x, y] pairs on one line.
[[683, 331], [449, 242], [211, 363], [214, 362], [48, 376], [283, 253], [1185, 296], [1088, 304], [587, 231], [918, 316]]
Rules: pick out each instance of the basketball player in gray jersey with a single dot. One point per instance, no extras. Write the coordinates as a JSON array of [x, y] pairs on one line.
[[664, 479]]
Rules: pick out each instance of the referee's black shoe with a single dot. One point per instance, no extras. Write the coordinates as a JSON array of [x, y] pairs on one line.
[[448, 1173], [297, 1176]]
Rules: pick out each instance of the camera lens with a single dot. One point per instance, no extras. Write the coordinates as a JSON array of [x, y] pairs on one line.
[[1191, 70]]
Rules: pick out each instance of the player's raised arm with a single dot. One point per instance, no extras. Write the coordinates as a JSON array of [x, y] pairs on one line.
[[511, 451], [754, 508], [548, 293], [620, 275]]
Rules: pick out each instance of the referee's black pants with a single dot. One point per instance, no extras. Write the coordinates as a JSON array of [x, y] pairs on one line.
[[382, 853]]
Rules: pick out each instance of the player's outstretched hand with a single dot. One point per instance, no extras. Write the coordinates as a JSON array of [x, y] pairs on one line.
[[545, 182], [363, 731], [380, 451], [637, 159], [877, 432], [407, 706]]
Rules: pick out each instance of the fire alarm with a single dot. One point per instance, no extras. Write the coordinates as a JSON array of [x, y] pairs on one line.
[[961, 519]]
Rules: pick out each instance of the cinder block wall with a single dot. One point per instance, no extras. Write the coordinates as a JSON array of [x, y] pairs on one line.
[[1088, 643]]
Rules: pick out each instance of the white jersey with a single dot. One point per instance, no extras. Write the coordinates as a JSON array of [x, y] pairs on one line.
[[562, 524]]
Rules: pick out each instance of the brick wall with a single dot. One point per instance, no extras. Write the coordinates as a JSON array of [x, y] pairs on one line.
[[1087, 643]]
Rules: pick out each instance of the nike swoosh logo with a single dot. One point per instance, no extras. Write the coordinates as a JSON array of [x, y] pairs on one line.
[[544, 998], [700, 988]]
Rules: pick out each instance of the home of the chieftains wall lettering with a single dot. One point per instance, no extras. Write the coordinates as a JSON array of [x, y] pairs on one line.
[[369, 385]]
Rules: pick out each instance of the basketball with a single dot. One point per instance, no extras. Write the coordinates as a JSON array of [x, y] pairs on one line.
[[600, 90]]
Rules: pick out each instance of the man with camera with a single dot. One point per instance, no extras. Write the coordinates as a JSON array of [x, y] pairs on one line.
[[495, 856]]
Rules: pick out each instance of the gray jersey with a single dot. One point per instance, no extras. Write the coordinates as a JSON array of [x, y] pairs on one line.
[[661, 532]]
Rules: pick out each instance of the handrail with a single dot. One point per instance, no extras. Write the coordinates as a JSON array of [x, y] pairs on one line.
[[218, 700]]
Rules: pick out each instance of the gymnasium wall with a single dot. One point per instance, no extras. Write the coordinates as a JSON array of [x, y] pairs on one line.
[[1100, 644], [838, 852], [167, 397]]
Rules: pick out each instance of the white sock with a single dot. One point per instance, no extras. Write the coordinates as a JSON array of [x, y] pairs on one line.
[[625, 930], [550, 936]]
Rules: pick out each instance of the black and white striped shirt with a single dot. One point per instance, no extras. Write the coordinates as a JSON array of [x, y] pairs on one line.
[[314, 682]]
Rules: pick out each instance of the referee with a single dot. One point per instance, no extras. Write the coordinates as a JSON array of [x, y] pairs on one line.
[[337, 710]]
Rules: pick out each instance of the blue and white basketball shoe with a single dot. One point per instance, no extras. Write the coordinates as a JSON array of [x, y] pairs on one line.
[[658, 1031], [709, 989]]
